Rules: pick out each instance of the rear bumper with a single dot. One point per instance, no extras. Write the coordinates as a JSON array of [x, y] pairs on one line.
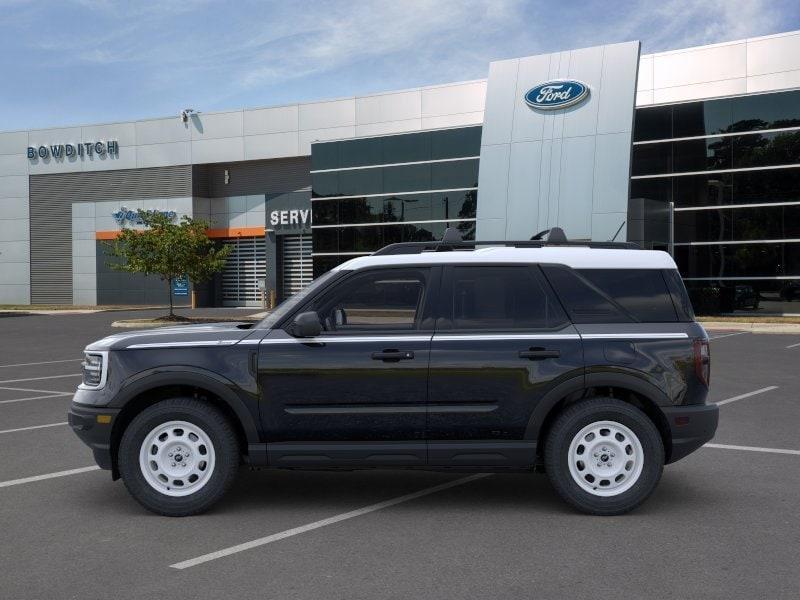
[[83, 421], [690, 427]]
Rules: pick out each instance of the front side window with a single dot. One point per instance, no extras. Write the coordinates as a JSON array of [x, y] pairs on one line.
[[502, 298], [389, 299]]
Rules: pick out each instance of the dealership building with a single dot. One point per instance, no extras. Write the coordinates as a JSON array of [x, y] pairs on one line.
[[693, 151]]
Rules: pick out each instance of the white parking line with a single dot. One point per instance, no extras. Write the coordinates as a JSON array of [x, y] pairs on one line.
[[753, 449], [38, 378], [38, 391], [324, 522], [792, 346], [4, 484], [724, 335], [747, 395], [32, 427], [58, 395], [45, 362]]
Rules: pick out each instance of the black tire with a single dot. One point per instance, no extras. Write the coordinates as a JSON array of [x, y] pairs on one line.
[[568, 425], [226, 456]]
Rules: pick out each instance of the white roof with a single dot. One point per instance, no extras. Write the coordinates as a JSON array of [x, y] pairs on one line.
[[577, 257]]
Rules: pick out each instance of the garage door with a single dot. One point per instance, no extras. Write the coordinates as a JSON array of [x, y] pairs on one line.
[[297, 265], [246, 265]]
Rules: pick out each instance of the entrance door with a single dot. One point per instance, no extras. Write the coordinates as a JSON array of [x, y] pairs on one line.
[[297, 264], [246, 265], [364, 379]]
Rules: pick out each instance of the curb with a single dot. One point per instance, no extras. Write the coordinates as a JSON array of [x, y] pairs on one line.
[[752, 327]]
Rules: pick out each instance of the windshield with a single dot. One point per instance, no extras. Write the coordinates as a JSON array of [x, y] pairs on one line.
[[292, 302]]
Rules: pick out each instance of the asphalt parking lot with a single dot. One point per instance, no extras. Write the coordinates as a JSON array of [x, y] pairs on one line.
[[723, 523]]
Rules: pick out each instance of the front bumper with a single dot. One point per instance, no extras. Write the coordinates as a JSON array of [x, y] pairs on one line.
[[93, 431], [690, 427]]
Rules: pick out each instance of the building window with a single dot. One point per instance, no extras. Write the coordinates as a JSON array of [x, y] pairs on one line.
[[368, 193], [735, 185]]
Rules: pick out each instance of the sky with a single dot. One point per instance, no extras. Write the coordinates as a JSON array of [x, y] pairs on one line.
[[71, 62]]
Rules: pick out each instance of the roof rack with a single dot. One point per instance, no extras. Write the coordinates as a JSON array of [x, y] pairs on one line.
[[451, 240]]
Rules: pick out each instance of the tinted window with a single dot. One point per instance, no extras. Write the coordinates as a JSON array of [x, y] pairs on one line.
[[356, 153], [736, 224], [406, 148], [764, 111], [701, 118], [325, 212], [386, 299], [653, 123], [455, 174], [642, 292], [584, 302], [702, 155], [652, 159], [739, 260], [766, 149], [501, 298], [452, 143]]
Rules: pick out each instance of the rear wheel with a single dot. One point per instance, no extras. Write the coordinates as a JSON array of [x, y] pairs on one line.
[[178, 457], [604, 456]]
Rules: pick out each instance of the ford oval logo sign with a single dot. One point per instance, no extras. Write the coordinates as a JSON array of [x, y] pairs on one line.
[[556, 94]]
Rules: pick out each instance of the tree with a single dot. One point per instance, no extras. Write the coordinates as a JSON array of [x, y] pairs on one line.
[[168, 249]]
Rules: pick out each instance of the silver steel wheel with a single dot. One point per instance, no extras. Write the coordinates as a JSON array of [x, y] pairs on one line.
[[605, 458], [177, 458]]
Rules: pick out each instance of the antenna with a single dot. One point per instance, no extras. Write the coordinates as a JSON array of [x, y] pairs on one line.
[[618, 230]]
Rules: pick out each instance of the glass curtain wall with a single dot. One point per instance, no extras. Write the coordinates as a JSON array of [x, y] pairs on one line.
[[370, 192], [732, 169]]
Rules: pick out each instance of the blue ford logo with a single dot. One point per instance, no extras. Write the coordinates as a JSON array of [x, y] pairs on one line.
[[556, 94]]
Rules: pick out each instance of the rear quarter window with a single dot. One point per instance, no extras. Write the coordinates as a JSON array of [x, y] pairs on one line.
[[642, 292]]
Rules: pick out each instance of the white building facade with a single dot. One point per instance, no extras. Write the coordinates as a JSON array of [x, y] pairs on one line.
[[692, 150]]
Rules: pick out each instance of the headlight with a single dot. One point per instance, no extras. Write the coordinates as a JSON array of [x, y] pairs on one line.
[[94, 366]]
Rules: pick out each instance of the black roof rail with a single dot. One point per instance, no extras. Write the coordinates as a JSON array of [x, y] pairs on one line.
[[451, 240]]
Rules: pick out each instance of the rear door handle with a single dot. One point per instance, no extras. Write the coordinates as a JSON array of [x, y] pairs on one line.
[[393, 355], [539, 353]]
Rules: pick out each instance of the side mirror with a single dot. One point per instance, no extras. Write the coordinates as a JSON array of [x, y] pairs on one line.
[[306, 325]]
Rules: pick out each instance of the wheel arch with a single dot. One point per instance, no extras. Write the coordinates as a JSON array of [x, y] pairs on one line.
[[628, 388], [148, 388]]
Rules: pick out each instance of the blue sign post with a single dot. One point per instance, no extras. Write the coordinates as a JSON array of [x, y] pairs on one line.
[[180, 286]]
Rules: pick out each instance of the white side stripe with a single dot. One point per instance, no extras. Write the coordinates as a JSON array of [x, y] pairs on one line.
[[452, 337], [635, 336], [506, 336], [184, 344]]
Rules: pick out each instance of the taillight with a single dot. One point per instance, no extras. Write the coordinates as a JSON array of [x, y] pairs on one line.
[[702, 360]]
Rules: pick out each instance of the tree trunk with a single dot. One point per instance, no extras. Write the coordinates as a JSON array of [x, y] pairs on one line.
[[171, 311]]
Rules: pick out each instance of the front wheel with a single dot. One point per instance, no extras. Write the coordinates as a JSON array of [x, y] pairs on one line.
[[604, 456], [178, 457]]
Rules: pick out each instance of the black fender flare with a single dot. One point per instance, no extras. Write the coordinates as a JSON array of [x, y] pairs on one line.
[[590, 380], [194, 377]]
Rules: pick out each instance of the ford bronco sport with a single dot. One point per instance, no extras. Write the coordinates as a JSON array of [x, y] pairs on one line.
[[579, 359]]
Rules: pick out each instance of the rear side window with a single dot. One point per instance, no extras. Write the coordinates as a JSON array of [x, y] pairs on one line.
[[642, 292], [502, 298], [584, 301]]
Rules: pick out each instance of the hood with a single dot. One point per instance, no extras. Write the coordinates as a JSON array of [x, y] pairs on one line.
[[179, 336]]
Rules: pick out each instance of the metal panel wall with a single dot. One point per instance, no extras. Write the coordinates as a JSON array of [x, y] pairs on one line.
[[253, 177], [567, 167], [51, 198]]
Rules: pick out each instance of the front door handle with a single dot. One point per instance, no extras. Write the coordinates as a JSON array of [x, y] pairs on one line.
[[393, 355], [539, 353]]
